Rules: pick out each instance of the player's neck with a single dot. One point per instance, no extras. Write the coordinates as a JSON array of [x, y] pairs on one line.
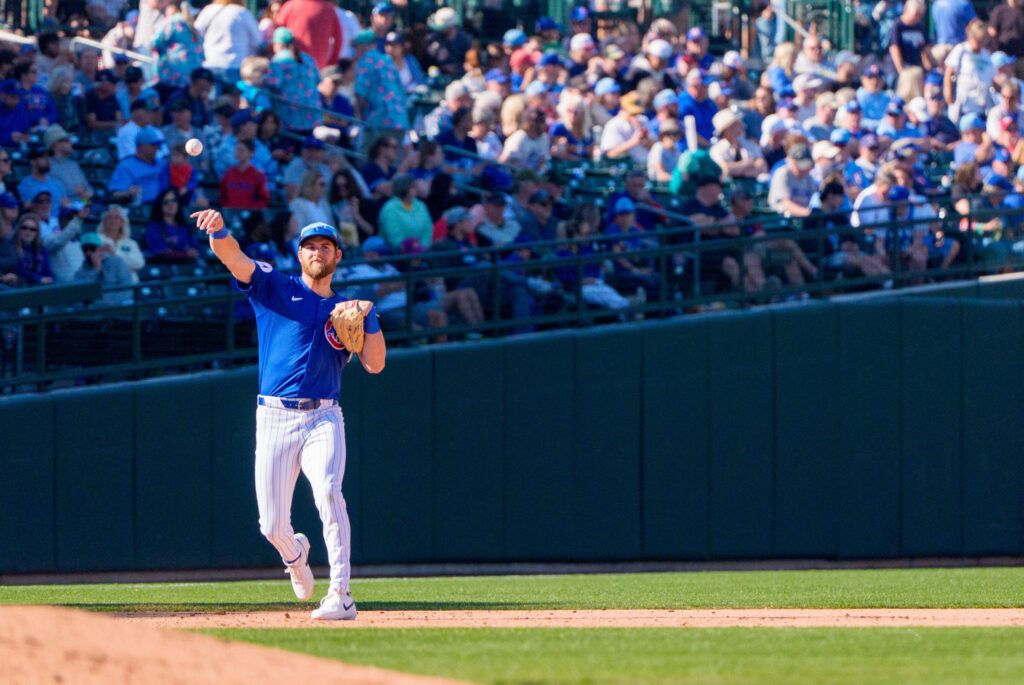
[[321, 286]]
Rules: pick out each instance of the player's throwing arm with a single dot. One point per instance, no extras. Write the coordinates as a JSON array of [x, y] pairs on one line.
[[307, 335]]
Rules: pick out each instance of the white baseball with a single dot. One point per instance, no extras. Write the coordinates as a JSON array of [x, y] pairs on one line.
[[194, 147]]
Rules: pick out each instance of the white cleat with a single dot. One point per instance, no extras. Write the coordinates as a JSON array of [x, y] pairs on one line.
[[336, 606], [302, 575]]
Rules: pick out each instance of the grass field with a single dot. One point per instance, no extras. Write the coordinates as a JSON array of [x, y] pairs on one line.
[[641, 655]]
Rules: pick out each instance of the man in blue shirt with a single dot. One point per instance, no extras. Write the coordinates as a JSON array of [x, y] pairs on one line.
[[14, 119], [38, 102], [40, 180], [299, 425], [950, 19], [695, 102], [142, 176]]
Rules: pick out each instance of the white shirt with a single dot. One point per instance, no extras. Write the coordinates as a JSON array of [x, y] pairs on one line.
[[869, 210], [974, 72], [617, 131], [532, 153], [230, 34], [349, 28]]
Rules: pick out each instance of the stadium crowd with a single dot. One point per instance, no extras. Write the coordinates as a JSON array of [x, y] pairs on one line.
[[423, 144]]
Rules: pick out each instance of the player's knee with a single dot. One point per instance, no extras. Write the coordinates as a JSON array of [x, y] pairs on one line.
[[275, 531], [329, 497]]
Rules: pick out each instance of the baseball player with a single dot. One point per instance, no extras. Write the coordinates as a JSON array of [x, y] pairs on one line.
[[307, 334]]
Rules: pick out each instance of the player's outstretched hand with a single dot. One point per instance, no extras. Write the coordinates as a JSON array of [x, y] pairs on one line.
[[209, 220]]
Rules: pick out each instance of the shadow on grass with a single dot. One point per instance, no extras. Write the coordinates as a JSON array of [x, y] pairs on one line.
[[235, 607]]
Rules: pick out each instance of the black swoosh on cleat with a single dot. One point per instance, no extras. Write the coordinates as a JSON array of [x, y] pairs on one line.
[[346, 607]]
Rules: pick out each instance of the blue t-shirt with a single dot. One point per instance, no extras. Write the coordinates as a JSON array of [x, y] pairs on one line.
[[300, 355], [153, 179], [873, 104], [703, 112], [950, 19], [30, 186]]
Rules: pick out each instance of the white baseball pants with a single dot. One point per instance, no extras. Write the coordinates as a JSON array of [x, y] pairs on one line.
[[290, 440]]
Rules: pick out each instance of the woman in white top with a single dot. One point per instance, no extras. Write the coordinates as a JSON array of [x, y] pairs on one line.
[[230, 34], [117, 240], [969, 64], [310, 205]]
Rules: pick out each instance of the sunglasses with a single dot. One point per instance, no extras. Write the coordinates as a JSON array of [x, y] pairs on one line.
[[30, 229]]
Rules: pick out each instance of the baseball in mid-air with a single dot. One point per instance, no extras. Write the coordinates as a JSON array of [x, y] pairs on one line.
[[194, 147]]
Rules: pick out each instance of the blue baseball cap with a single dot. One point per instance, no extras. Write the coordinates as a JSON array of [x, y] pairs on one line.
[[318, 229], [514, 38], [383, 8], [894, 108], [870, 141], [971, 122], [148, 135], [241, 118], [852, 106], [873, 70], [694, 34], [550, 59], [375, 244], [999, 181], [313, 143], [840, 136], [547, 24], [9, 87], [899, 194], [580, 14], [496, 76], [535, 88], [624, 206], [283, 36], [1000, 59], [664, 98], [8, 201], [606, 86], [933, 78]]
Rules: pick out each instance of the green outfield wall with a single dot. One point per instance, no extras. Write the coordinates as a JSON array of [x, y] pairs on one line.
[[886, 427]]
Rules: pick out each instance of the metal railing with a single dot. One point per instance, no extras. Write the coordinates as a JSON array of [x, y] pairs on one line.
[[199, 322]]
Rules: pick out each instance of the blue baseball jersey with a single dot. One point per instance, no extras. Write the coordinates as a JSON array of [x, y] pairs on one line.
[[300, 355]]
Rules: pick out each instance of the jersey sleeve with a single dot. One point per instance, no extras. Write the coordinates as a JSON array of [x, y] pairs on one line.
[[265, 283]]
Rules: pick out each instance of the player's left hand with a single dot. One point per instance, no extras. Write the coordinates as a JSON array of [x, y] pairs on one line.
[[208, 220]]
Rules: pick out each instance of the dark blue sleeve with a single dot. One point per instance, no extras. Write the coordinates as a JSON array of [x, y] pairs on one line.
[[154, 238]]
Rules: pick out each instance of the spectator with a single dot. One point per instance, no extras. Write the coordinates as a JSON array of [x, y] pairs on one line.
[[108, 269], [295, 77], [409, 69], [245, 128], [316, 28], [581, 50], [142, 177], [196, 94], [440, 198], [791, 186], [782, 70], [872, 96], [381, 166], [972, 132], [636, 190], [382, 20], [310, 205], [737, 156], [344, 199], [940, 129], [626, 134], [87, 70], [67, 105], [14, 117], [132, 87], [606, 101], [653, 63], [1005, 66], [142, 116], [230, 33], [33, 261], [456, 97], [169, 239], [896, 126], [632, 274], [590, 278], [178, 48], [949, 22], [116, 233], [63, 166], [811, 60], [404, 215], [380, 96], [459, 148], [244, 186], [695, 102], [350, 26], [332, 99], [5, 172], [284, 234], [1006, 27], [496, 228], [664, 155], [448, 44], [8, 249], [969, 65], [733, 76], [40, 179], [60, 236], [806, 88], [529, 147], [821, 124], [102, 111], [538, 222], [862, 174], [666, 108], [1010, 105], [852, 252], [872, 206], [41, 110], [268, 132], [251, 84], [908, 44], [488, 144], [180, 131], [312, 156]]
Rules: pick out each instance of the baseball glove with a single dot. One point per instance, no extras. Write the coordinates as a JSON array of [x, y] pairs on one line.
[[347, 321]]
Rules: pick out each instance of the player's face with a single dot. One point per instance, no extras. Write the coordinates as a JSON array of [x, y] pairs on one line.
[[318, 257]]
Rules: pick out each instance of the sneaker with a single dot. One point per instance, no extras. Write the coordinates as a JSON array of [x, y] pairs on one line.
[[302, 575], [336, 606]]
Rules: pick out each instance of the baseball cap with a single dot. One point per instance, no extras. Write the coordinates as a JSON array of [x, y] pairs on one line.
[[241, 118], [1000, 59], [873, 71], [121, 58], [894, 108], [806, 82], [580, 14], [695, 33], [375, 244], [540, 197], [536, 88], [581, 41], [823, 149], [840, 136], [802, 156], [455, 90], [139, 103], [283, 36], [664, 98], [631, 103], [723, 119], [514, 38], [919, 108], [660, 48], [496, 76], [785, 103], [393, 38], [495, 198], [201, 74], [971, 122], [550, 59], [455, 215], [624, 206], [318, 229], [312, 143], [733, 60], [148, 135], [933, 78], [36, 151], [365, 37], [899, 194], [383, 8], [614, 52], [999, 181], [92, 239], [870, 141], [606, 86], [8, 201], [547, 24], [132, 74], [107, 75]]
